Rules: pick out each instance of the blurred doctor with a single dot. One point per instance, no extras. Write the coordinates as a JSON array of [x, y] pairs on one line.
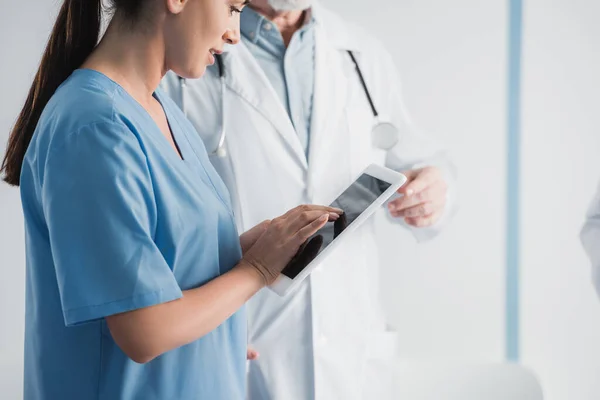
[[590, 238], [288, 120]]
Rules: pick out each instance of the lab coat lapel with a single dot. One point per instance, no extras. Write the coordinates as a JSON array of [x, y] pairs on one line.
[[329, 103], [246, 78]]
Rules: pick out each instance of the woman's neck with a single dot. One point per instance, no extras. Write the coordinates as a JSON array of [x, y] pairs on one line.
[[133, 59]]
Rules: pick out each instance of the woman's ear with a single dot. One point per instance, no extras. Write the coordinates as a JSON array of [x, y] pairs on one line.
[[175, 6]]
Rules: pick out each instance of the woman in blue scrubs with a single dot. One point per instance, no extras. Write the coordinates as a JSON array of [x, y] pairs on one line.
[[136, 276]]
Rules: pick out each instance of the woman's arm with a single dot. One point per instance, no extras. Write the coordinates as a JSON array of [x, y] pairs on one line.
[[146, 333]]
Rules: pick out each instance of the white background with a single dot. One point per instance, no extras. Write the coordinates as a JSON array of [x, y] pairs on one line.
[[24, 28], [561, 168], [446, 297]]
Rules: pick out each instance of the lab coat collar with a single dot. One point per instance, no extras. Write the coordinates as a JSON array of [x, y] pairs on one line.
[[246, 78]]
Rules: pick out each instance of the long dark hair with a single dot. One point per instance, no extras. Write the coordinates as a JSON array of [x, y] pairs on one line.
[[73, 38]]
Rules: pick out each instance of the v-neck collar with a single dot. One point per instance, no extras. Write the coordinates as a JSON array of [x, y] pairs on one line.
[[180, 154], [187, 155], [191, 158], [164, 142], [191, 161]]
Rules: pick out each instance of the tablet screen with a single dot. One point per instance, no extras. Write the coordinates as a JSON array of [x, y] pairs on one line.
[[354, 201]]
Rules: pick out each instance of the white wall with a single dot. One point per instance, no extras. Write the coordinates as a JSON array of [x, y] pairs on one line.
[[561, 168], [447, 297], [24, 28]]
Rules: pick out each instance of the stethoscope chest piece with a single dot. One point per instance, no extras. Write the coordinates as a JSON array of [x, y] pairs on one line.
[[384, 135]]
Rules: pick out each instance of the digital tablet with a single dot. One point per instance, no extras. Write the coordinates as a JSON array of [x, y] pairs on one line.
[[371, 189]]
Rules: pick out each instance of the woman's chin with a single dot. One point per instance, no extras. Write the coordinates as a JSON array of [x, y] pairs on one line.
[[197, 72]]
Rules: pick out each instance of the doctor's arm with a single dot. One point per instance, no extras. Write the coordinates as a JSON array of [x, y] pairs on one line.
[[590, 238], [429, 198]]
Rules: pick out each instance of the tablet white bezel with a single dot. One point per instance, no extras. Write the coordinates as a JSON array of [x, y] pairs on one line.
[[284, 285]]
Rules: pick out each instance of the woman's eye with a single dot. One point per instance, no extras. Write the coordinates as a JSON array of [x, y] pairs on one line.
[[233, 10]]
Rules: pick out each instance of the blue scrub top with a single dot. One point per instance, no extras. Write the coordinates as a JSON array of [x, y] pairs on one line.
[[115, 221]]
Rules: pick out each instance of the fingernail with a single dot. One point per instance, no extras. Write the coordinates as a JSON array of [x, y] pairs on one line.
[[339, 210], [334, 216], [392, 207]]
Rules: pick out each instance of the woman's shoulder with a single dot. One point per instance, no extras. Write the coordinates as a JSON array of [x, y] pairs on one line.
[[83, 99], [87, 104]]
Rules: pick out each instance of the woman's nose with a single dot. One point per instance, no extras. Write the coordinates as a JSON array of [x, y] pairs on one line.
[[231, 36]]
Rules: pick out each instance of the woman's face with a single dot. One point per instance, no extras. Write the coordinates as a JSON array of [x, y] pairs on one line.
[[196, 29]]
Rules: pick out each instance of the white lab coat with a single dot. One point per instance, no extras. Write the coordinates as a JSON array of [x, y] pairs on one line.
[[329, 340]]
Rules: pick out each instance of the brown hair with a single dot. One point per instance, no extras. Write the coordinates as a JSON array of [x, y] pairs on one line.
[[73, 38]]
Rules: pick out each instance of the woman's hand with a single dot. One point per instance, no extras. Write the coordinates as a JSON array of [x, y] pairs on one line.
[[248, 238], [283, 237]]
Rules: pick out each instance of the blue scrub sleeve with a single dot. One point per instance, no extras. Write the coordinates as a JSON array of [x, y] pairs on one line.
[[99, 206]]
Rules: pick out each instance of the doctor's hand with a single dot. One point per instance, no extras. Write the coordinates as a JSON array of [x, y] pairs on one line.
[[252, 354], [283, 237], [424, 197], [248, 238]]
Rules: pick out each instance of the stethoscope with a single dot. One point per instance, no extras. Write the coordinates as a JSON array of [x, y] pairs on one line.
[[384, 135]]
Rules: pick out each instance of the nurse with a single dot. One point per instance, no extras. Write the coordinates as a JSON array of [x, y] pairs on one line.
[[136, 276]]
